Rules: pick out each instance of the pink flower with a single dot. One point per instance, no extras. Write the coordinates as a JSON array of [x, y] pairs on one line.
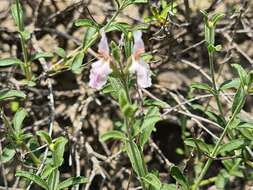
[[139, 66], [100, 69]]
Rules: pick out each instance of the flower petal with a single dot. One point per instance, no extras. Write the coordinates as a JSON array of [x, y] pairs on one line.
[[138, 47], [99, 73], [103, 47], [143, 73]]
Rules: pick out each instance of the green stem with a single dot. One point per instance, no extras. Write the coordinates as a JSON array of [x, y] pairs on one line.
[[216, 148], [34, 158], [208, 181], [131, 139], [10, 130], [216, 91], [26, 67]]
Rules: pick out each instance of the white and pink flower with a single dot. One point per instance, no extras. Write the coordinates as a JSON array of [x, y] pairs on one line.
[[100, 70], [139, 66]]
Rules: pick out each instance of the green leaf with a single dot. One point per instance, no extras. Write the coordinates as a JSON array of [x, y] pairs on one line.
[[199, 144], [113, 87], [118, 2], [211, 115], [18, 16], [29, 83], [126, 108], [179, 177], [10, 61], [135, 157], [155, 12], [228, 164], [77, 63], [217, 17], [44, 136], [137, 27], [48, 169], [115, 52], [32, 177], [129, 110], [60, 52], [218, 47], [72, 181], [239, 100], [136, 127], [234, 167], [156, 103], [246, 133], [130, 2], [41, 55], [7, 154], [25, 34], [139, 1], [89, 35], [205, 15], [150, 19], [242, 73], [202, 86], [168, 8], [232, 145], [128, 44], [210, 37], [245, 126], [7, 94], [235, 83], [118, 26], [148, 125], [153, 180], [169, 187], [123, 27], [250, 78], [221, 179], [59, 148], [235, 123], [26, 136], [53, 180], [113, 135], [18, 119], [86, 23], [123, 100]]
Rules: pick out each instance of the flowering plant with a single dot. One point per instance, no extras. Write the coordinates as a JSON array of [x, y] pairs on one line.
[[101, 69], [215, 136]]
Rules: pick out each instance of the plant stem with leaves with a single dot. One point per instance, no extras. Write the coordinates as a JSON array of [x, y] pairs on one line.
[[131, 140], [216, 91], [218, 144], [27, 66], [34, 158]]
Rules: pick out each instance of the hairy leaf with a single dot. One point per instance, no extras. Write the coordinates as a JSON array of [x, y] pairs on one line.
[[113, 135], [9, 61], [32, 177], [7, 94], [179, 177], [7, 154], [72, 181]]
